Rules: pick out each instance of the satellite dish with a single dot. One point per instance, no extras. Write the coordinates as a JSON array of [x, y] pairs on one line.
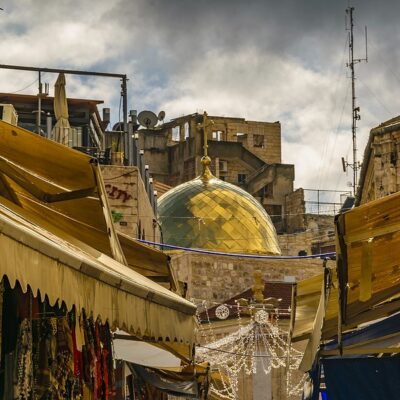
[[147, 119], [161, 115]]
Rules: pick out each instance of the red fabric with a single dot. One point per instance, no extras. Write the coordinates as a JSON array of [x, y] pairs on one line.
[[98, 362], [105, 373]]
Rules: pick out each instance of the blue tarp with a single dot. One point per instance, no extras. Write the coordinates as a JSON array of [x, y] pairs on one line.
[[380, 329], [367, 378]]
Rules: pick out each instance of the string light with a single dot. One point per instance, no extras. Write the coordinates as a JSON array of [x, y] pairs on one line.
[[259, 346]]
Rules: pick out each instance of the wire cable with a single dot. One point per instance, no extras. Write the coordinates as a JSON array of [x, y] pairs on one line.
[[329, 255]]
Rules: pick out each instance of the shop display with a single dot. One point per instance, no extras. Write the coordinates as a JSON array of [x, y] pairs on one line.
[[48, 352]]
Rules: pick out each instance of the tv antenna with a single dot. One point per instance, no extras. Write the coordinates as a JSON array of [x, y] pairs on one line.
[[355, 165]]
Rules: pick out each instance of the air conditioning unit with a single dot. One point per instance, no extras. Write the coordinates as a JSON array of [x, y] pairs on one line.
[[8, 114]]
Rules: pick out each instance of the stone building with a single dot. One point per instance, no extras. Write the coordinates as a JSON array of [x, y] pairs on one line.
[[245, 153], [380, 171]]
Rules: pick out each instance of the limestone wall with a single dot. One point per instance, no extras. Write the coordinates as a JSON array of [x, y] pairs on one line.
[[295, 211], [218, 278], [383, 170], [294, 243], [129, 202]]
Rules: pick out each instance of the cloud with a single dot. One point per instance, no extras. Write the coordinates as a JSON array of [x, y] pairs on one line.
[[263, 60]]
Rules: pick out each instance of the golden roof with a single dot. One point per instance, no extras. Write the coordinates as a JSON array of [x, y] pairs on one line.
[[209, 213]]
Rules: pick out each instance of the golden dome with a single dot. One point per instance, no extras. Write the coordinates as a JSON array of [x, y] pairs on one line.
[[208, 213]]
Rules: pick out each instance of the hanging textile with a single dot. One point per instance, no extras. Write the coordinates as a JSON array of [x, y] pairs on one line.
[[368, 378], [24, 366], [41, 359]]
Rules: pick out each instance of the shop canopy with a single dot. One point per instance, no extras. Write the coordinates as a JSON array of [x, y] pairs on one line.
[[57, 236], [62, 190], [364, 286], [368, 261]]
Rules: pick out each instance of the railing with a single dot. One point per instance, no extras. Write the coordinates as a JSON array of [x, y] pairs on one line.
[[324, 202]]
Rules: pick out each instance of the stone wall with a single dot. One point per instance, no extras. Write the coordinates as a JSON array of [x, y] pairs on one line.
[[293, 244], [133, 214], [382, 168], [295, 208], [269, 150], [218, 278], [234, 168]]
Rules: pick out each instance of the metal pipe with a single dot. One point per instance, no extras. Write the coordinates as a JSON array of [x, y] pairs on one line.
[[49, 123], [130, 143], [136, 153], [65, 71], [124, 94], [39, 110]]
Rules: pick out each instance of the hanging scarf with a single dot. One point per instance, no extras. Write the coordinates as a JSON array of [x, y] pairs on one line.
[[24, 372]]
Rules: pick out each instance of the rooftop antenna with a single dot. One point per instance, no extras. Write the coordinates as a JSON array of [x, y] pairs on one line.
[[355, 165], [147, 119]]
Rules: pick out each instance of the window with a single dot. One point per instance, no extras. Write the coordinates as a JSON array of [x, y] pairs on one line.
[[241, 137], [242, 178], [223, 166], [186, 130], [176, 133], [217, 135], [258, 141]]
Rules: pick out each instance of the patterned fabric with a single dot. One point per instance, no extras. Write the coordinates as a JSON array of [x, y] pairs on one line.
[[24, 371], [47, 364]]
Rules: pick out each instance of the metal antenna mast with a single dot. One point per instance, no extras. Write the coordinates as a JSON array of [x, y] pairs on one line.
[[355, 165]]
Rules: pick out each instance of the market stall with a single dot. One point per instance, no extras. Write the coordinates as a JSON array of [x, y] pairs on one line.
[[67, 280]]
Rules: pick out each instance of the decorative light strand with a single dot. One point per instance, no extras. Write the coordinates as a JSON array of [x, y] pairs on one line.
[[255, 347]]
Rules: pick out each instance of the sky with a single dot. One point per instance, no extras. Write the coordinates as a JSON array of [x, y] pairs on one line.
[[261, 60]]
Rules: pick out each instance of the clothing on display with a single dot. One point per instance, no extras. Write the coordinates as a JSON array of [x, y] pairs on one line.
[[50, 353]]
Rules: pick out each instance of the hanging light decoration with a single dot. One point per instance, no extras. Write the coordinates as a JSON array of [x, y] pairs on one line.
[[257, 346], [261, 317], [222, 312]]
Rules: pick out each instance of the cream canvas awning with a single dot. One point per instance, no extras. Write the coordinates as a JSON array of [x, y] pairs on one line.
[[62, 190], [100, 285], [57, 235]]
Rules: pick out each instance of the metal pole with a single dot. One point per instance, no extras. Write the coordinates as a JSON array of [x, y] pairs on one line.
[[353, 100], [125, 117], [205, 138], [136, 154], [49, 123], [130, 143], [65, 71], [355, 110], [39, 110]]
